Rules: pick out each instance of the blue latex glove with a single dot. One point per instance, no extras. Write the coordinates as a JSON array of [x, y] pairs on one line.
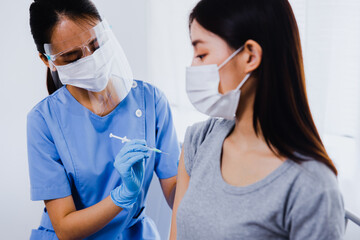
[[130, 163]]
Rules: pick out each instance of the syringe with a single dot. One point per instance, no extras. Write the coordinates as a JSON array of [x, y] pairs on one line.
[[125, 139]]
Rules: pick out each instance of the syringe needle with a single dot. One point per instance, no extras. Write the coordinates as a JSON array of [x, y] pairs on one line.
[[124, 139]]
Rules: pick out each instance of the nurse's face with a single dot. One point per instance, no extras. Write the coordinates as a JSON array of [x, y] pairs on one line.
[[69, 34], [209, 48]]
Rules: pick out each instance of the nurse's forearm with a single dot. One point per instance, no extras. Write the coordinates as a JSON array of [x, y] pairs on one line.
[[83, 223]]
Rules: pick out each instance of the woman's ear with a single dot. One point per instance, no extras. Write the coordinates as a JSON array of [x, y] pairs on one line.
[[44, 59], [46, 62], [253, 54]]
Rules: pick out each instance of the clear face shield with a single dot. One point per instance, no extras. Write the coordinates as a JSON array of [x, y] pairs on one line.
[[93, 62]]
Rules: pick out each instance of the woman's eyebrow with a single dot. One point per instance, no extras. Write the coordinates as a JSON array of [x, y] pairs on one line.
[[196, 42]]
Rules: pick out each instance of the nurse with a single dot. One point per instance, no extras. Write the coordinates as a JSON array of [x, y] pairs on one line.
[[257, 169], [94, 186]]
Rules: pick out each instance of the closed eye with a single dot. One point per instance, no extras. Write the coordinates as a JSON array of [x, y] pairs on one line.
[[72, 56], [201, 57]]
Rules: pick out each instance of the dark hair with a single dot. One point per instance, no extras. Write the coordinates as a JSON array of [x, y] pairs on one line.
[[45, 14], [281, 108]]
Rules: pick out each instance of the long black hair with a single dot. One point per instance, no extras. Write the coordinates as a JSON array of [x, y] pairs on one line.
[[281, 107], [45, 14]]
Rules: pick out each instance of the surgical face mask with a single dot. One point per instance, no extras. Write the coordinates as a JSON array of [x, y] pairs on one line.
[[202, 84], [92, 72]]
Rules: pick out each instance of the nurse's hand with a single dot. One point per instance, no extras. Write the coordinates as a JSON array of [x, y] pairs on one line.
[[130, 163]]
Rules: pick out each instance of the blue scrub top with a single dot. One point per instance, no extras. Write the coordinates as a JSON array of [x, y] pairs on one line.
[[70, 153]]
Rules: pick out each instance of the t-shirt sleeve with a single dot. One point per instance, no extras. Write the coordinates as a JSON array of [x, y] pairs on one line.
[[189, 149], [166, 139], [48, 178], [319, 217], [194, 137]]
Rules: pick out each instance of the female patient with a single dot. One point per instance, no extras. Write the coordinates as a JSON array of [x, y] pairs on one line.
[[257, 169]]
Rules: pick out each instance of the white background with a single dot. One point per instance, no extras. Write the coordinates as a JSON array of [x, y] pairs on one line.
[[154, 36]]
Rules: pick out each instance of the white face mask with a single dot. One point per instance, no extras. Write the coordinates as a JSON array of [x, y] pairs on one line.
[[92, 72], [202, 87]]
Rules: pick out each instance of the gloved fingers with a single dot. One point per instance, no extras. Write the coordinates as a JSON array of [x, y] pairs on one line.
[[123, 160], [139, 165], [135, 159], [123, 154], [148, 154], [133, 148], [138, 169], [138, 141], [123, 165], [133, 178], [134, 142]]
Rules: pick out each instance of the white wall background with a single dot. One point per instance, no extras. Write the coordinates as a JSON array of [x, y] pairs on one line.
[[22, 86], [154, 36]]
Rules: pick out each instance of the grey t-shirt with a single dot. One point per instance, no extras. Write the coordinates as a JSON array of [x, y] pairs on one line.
[[296, 201]]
